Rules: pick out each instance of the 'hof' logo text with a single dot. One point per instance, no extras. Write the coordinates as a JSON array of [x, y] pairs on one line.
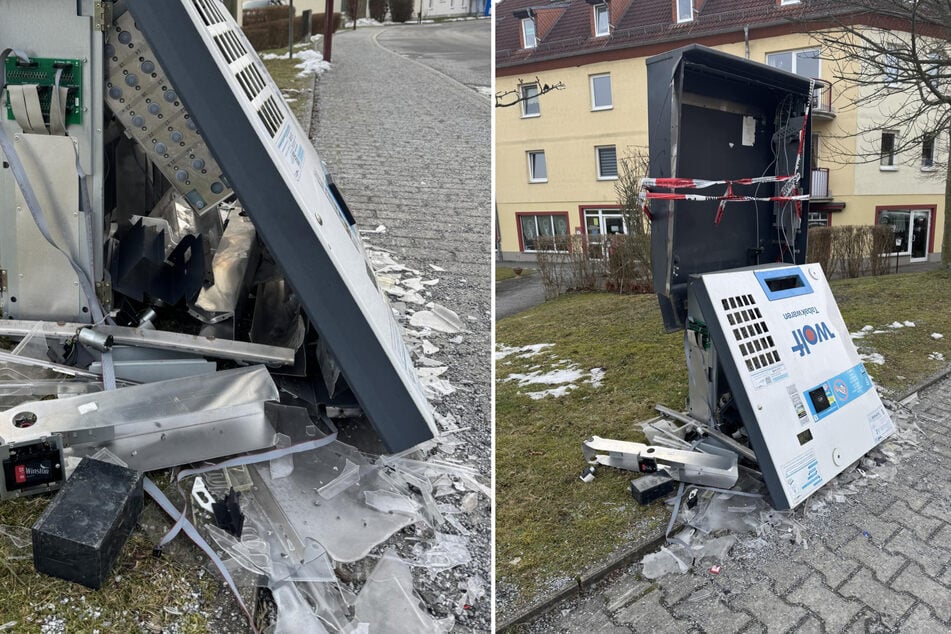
[[809, 336]]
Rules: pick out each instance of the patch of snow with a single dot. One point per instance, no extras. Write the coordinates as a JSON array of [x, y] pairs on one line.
[[597, 377], [556, 392], [312, 63], [525, 351], [937, 335], [873, 357], [910, 324], [555, 377], [936, 356], [896, 325]]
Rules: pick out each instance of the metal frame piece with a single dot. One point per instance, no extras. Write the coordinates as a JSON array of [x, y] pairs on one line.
[[686, 466], [157, 425], [160, 340]]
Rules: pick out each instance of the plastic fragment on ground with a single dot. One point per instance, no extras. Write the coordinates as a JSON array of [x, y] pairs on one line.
[[389, 605], [663, 562], [445, 552], [440, 319], [717, 548], [283, 466], [19, 536], [294, 615], [475, 589], [390, 502], [349, 476], [344, 524]]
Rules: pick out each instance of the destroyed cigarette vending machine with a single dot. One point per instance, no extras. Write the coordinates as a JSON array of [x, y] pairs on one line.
[[164, 216], [770, 360]]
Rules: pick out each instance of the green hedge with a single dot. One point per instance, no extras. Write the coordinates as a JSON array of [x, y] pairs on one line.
[[272, 33]]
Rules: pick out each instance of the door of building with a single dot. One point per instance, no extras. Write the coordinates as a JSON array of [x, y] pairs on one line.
[[920, 232]]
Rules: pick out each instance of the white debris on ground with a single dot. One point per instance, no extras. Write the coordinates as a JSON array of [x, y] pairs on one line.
[[937, 335], [936, 356], [562, 374]]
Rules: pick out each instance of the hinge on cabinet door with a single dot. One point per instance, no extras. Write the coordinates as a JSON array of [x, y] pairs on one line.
[[102, 15]]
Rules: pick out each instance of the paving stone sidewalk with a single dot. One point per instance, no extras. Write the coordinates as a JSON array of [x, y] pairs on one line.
[[409, 149], [879, 561]]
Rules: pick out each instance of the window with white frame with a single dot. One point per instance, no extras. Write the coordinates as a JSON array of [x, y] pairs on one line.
[[528, 33], [604, 222], [606, 157], [890, 66], [803, 62], [530, 107], [684, 10], [602, 25], [537, 167], [818, 219], [887, 154], [601, 92], [543, 232], [927, 151]]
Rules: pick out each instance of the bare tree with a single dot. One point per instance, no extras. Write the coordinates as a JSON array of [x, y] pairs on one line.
[[896, 58], [630, 254]]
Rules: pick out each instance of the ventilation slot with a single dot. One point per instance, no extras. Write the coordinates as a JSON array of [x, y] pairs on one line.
[[751, 332], [209, 12], [271, 116]]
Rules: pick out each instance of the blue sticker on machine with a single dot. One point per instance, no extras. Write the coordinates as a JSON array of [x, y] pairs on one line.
[[834, 394]]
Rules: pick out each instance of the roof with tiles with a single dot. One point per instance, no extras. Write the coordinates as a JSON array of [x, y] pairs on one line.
[[642, 23]]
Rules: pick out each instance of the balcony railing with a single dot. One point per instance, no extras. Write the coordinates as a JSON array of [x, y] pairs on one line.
[[822, 101], [820, 183]]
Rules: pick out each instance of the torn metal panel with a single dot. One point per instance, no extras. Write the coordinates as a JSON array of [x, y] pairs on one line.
[[162, 340], [157, 425], [277, 175], [230, 264], [686, 466]]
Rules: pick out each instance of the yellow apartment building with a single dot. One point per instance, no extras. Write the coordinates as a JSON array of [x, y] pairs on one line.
[[576, 69]]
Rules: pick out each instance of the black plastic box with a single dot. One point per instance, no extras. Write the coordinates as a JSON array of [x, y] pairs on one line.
[[652, 486], [81, 532]]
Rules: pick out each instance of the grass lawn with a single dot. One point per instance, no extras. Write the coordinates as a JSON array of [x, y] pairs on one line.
[[503, 273], [550, 526]]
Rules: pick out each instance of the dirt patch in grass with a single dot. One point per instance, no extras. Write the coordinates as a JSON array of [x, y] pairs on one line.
[[503, 273], [550, 526]]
